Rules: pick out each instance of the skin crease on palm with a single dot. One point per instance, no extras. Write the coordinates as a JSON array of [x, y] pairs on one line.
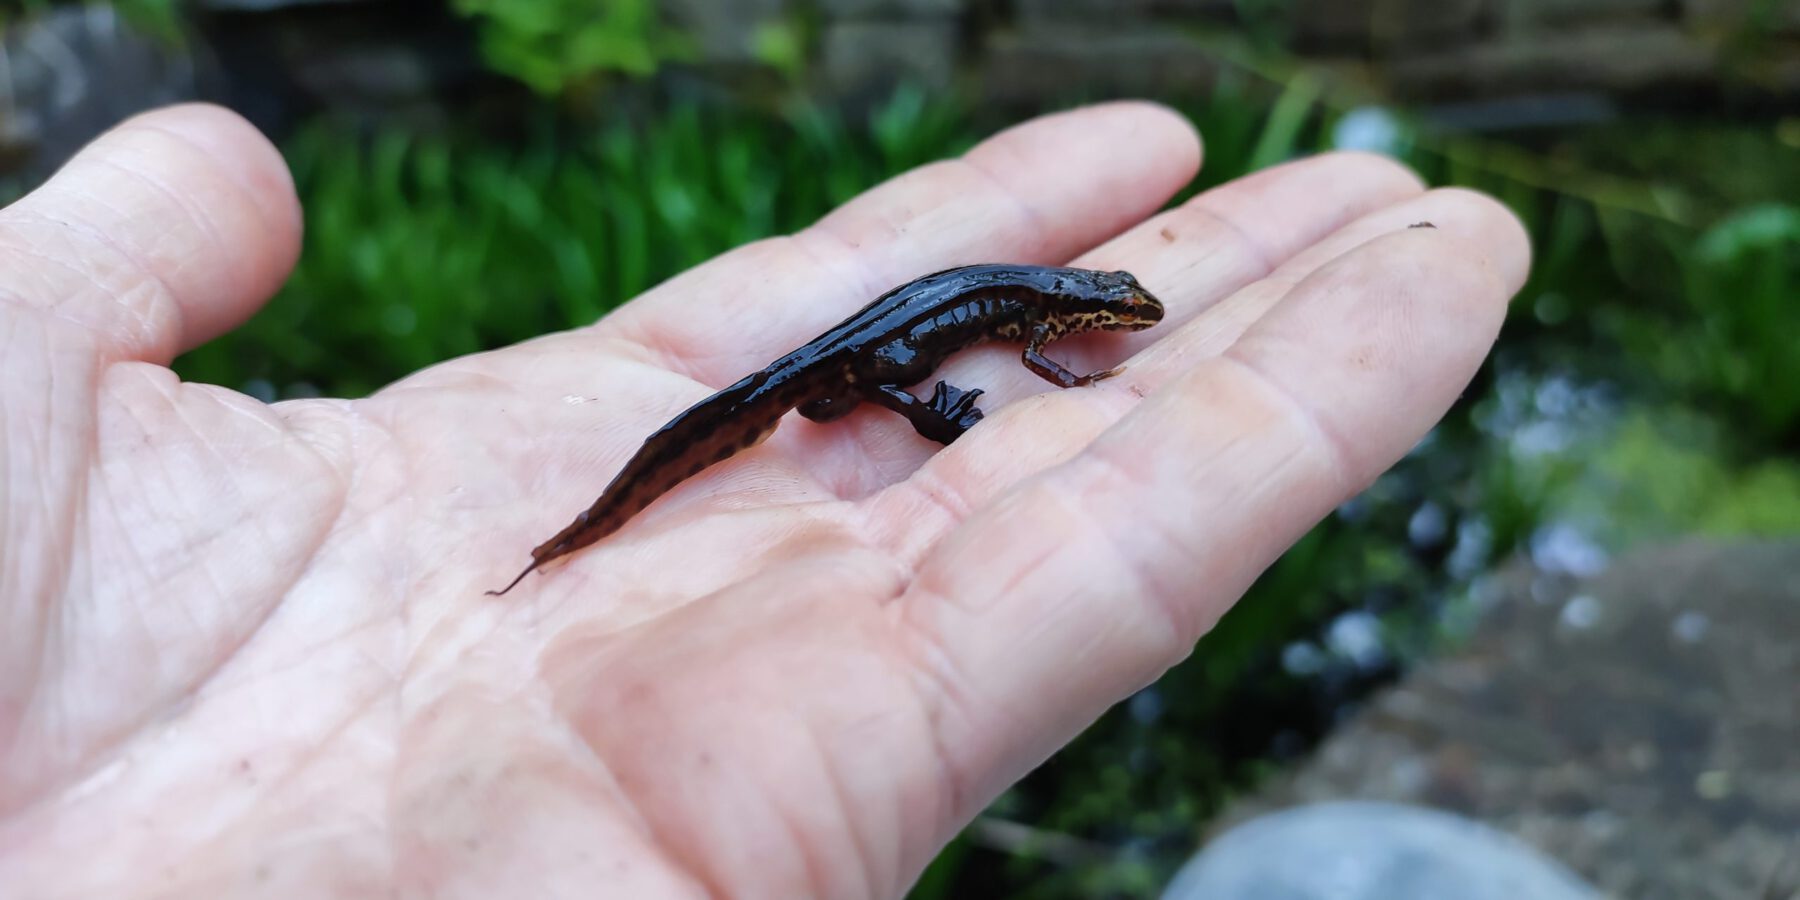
[[245, 649]]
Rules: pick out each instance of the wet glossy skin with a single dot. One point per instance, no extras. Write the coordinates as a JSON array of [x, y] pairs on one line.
[[896, 341]]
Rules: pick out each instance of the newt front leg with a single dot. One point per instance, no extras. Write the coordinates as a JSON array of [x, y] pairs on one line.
[[1052, 371]]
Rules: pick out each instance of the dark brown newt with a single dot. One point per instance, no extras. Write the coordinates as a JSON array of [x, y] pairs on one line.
[[894, 342]]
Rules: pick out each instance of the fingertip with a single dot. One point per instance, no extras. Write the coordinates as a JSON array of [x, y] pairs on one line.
[[1497, 236], [1378, 165], [221, 159], [1389, 332], [168, 230], [1440, 254], [1371, 173], [1174, 136], [1135, 154], [1283, 210], [1435, 265], [1160, 132], [241, 152]]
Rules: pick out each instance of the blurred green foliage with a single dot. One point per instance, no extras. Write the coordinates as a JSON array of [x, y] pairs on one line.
[[565, 46], [1670, 472], [782, 45], [162, 18], [423, 248], [1741, 348], [1721, 276], [159, 17], [1268, 24]]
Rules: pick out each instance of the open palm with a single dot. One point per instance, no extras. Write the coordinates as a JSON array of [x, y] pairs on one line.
[[244, 648]]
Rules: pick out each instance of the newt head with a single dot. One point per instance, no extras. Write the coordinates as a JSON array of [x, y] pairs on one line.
[[1135, 307], [1107, 301]]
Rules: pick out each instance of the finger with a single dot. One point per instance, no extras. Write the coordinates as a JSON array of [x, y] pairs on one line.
[[1196, 255], [1476, 219], [1029, 436], [1136, 546], [163, 233], [1202, 252], [1190, 257], [1040, 192]]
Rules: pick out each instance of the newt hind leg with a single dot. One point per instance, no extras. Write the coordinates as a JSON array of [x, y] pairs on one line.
[[950, 411], [830, 407]]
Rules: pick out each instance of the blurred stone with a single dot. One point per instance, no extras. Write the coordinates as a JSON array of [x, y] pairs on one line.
[[1112, 9], [387, 60], [271, 5], [1407, 23], [1053, 62], [1652, 756], [1779, 75], [864, 58], [1333, 24], [1382, 24], [1736, 14], [1623, 58], [1533, 13], [1518, 112], [370, 63], [725, 28], [899, 9], [73, 73], [1371, 851], [372, 74]]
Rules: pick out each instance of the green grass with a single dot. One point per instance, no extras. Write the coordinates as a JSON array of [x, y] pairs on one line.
[[421, 249]]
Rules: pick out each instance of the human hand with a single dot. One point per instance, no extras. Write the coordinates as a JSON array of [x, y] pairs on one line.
[[244, 647]]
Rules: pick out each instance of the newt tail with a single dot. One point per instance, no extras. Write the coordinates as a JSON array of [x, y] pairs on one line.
[[690, 442]]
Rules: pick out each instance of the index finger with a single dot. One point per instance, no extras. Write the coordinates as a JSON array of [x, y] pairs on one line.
[[1041, 192]]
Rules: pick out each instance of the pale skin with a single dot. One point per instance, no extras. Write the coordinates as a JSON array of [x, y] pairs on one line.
[[244, 648]]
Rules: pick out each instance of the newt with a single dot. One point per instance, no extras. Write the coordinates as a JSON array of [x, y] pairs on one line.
[[872, 357]]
